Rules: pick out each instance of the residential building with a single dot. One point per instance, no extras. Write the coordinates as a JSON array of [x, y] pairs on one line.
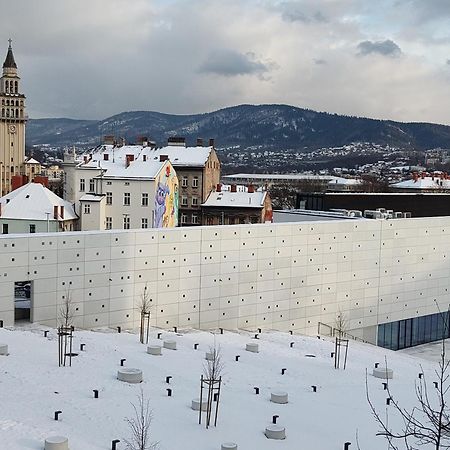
[[31, 167], [12, 124], [33, 208], [230, 205], [120, 187], [197, 170], [424, 182]]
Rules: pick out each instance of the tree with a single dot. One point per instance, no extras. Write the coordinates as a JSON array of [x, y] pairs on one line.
[[213, 367], [144, 306], [427, 423], [341, 324], [140, 426], [66, 311]]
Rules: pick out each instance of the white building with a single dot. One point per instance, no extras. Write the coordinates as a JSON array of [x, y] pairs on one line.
[[424, 182], [33, 208], [122, 188]]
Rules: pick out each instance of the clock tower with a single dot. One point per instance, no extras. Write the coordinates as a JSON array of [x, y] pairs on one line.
[[12, 123]]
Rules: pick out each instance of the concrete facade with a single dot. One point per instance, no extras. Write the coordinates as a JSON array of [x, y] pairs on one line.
[[274, 276]]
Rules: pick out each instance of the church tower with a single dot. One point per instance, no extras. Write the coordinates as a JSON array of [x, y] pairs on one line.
[[12, 123]]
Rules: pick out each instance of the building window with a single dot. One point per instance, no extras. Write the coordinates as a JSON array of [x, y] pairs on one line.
[[144, 200], [195, 182], [109, 198], [32, 228], [183, 218], [126, 199], [184, 201], [109, 183], [194, 201], [82, 185], [87, 208], [195, 220], [184, 182], [91, 185], [144, 222], [254, 219], [5, 228], [126, 222], [109, 223]]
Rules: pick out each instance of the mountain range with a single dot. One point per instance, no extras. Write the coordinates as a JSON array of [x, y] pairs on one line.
[[262, 127]]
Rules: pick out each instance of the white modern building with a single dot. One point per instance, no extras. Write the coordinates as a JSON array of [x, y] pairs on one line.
[[389, 278], [33, 208], [122, 188]]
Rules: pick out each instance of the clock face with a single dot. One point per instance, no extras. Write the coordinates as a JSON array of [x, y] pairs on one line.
[[12, 128]]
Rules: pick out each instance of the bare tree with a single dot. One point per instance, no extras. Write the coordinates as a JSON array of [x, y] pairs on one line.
[[140, 426], [145, 307], [428, 423], [213, 367], [66, 311], [341, 323]]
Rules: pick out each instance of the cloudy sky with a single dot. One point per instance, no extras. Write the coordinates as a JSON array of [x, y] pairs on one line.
[[95, 58]]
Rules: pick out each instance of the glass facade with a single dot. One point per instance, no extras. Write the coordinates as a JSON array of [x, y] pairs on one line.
[[415, 331]]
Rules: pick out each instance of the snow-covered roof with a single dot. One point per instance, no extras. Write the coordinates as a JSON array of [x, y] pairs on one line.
[[239, 199], [179, 156], [344, 181], [279, 177], [31, 161], [92, 198], [136, 169], [33, 201], [423, 183]]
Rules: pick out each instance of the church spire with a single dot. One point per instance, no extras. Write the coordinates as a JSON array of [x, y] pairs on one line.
[[10, 63]]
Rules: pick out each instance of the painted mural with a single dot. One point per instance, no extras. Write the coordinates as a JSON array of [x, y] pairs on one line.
[[166, 199]]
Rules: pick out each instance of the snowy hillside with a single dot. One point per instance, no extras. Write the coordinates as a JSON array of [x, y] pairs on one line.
[[32, 387]]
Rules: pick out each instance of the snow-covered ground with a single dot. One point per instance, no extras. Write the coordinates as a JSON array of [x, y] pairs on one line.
[[32, 387]]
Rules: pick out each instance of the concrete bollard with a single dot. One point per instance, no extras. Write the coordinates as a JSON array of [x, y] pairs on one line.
[[279, 397], [154, 350], [57, 443], [170, 344], [275, 432], [130, 375]]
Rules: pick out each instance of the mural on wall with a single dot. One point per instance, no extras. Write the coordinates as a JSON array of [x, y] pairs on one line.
[[166, 199]]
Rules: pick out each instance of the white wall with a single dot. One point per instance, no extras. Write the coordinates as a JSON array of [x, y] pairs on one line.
[[280, 276]]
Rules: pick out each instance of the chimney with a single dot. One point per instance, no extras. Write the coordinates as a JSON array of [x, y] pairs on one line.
[[85, 159], [233, 188], [219, 188], [108, 140], [106, 156], [55, 212], [62, 211], [422, 175], [142, 140], [163, 158], [144, 158], [250, 189], [176, 141], [199, 142], [129, 159], [211, 143]]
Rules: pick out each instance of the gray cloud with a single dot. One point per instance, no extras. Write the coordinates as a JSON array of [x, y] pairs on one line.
[[296, 12], [231, 63], [320, 62], [385, 48]]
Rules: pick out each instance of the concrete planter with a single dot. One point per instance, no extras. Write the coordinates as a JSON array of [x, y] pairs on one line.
[[275, 432], [252, 347], [383, 372], [154, 350], [195, 405], [3, 349], [170, 344], [56, 443], [279, 397], [229, 446], [130, 375]]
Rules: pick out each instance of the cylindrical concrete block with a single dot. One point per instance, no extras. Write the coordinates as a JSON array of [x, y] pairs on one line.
[[195, 405], [275, 432], [154, 350], [279, 397], [130, 375], [252, 347], [57, 443], [229, 446], [170, 344], [383, 372], [3, 349], [209, 356]]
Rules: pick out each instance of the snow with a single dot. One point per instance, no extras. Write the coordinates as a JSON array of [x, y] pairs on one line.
[[32, 387], [33, 201], [423, 183], [239, 199]]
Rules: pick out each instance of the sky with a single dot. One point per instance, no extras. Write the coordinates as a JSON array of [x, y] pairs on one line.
[[91, 59]]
